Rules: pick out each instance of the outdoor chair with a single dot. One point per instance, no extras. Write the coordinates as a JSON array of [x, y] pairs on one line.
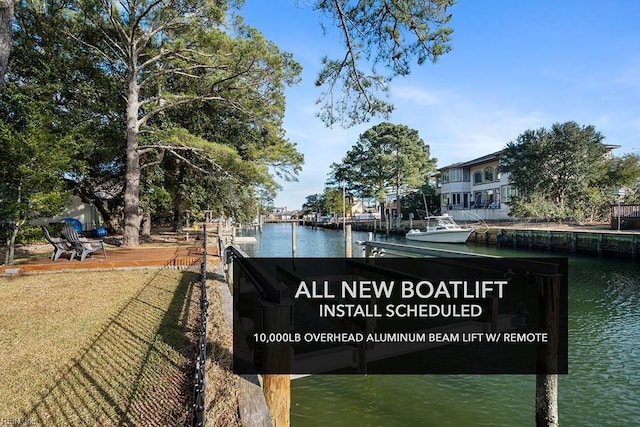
[[60, 245], [81, 247]]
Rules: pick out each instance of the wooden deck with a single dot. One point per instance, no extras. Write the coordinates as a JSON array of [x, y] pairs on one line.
[[170, 256]]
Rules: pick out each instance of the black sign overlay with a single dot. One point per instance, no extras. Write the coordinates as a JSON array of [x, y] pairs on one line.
[[475, 315]]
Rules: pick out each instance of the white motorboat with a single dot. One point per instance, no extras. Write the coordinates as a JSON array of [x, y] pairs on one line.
[[440, 229]]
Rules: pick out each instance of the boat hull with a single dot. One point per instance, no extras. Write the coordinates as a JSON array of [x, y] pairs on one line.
[[441, 236]]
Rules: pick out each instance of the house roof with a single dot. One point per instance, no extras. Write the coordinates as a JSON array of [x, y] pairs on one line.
[[495, 156], [484, 159]]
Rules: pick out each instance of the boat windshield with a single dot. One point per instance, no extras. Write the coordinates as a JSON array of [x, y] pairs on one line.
[[446, 222], [442, 223]]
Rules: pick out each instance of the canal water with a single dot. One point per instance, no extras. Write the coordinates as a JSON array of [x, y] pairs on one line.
[[602, 388]]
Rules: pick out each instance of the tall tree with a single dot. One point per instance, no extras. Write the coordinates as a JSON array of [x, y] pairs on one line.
[[52, 71], [315, 203], [234, 190], [169, 55], [559, 168], [422, 202], [164, 56], [386, 34], [385, 156], [6, 30], [33, 156]]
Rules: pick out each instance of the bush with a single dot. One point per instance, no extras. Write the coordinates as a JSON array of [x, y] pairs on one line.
[[30, 234]]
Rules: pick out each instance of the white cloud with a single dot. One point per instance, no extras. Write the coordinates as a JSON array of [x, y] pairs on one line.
[[415, 95]]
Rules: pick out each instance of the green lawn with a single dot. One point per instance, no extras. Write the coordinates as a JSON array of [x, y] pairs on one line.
[[98, 348]]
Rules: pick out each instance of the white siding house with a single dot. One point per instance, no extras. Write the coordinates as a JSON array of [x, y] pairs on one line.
[[475, 189]]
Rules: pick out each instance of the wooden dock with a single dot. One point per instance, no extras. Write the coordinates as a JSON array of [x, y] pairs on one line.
[[168, 256]]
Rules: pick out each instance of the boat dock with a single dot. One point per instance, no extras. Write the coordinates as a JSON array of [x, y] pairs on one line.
[[591, 240]]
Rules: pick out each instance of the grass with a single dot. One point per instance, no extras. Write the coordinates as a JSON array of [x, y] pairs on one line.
[[221, 384], [98, 348]]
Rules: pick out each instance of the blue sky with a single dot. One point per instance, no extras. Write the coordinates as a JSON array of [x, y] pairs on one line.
[[515, 65]]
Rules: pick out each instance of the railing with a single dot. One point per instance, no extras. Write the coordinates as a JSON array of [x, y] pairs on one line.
[[199, 387], [276, 307], [376, 249]]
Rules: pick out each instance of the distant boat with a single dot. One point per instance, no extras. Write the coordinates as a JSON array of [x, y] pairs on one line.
[[440, 229]]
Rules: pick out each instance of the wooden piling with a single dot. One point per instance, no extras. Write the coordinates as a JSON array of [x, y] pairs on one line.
[[277, 387], [547, 357], [347, 241], [293, 240]]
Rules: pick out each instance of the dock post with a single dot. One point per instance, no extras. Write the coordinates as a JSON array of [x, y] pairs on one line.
[[293, 240], [347, 241], [277, 380], [547, 358]]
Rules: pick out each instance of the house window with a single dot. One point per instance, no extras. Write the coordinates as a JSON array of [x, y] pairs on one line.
[[477, 178], [445, 177], [479, 200], [457, 199], [455, 175], [507, 193], [488, 174]]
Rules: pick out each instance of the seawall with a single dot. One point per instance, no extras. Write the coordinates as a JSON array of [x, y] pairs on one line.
[[584, 240]]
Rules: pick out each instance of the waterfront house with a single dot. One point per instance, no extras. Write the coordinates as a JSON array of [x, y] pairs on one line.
[[282, 214], [476, 189]]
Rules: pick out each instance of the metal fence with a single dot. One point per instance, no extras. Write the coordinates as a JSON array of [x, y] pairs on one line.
[[199, 387]]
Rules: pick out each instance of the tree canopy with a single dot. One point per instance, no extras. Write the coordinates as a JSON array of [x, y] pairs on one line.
[[31, 182], [385, 156], [564, 172], [152, 96], [331, 201], [168, 58], [387, 35]]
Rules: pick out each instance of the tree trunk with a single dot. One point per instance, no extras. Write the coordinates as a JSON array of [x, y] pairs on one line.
[[177, 217], [12, 246], [107, 215], [11, 250], [132, 215], [6, 20], [146, 224], [398, 203]]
